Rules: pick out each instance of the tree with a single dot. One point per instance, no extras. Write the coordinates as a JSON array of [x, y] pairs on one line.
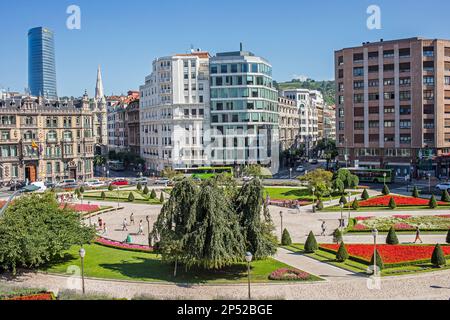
[[153, 194], [77, 193], [365, 195], [355, 204], [438, 258], [337, 236], [169, 173], [257, 229], [338, 186], [110, 187], [415, 193], [392, 237], [320, 180], [432, 204], [139, 186], [350, 180], [343, 200], [131, 197], [286, 238], [379, 261], [342, 254], [386, 190], [161, 197], [81, 190], [448, 236], [392, 204], [445, 196], [103, 195], [311, 243], [146, 190], [35, 230], [253, 170]]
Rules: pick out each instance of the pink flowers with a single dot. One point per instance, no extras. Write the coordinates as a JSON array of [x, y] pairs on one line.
[[83, 208], [120, 245], [289, 274], [363, 218], [360, 227], [403, 226], [402, 216], [383, 201]]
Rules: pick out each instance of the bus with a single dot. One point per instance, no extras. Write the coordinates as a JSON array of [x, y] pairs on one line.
[[204, 173], [116, 165], [373, 175]]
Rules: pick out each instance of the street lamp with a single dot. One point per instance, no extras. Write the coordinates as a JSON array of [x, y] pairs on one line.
[[429, 182], [148, 227], [118, 198], [314, 200], [341, 204], [384, 178], [82, 253], [375, 234], [281, 216], [249, 258], [290, 173], [349, 200]]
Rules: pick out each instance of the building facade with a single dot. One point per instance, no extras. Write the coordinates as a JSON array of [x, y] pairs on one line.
[[393, 108], [329, 122], [244, 111], [174, 112], [289, 123], [44, 140], [132, 124], [41, 63]]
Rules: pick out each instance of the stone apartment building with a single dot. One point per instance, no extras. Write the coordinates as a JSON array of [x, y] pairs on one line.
[[289, 123]]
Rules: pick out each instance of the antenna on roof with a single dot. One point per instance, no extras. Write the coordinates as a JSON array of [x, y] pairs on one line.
[[240, 46]]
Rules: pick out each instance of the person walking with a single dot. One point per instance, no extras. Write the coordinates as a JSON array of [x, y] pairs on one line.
[[132, 219], [125, 225], [105, 230], [418, 235], [324, 228], [141, 228]]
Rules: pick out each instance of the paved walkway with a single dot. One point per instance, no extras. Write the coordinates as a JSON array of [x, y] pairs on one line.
[[323, 270]]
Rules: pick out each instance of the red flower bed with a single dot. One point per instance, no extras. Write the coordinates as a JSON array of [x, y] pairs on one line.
[[123, 246], [399, 201], [289, 274], [391, 254], [83, 208], [47, 296], [363, 218], [360, 227], [404, 217], [403, 226], [444, 216], [2, 203]]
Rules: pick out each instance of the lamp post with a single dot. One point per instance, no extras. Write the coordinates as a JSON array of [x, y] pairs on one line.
[[341, 204], [375, 234], [249, 258], [148, 227], [90, 223], [349, 200], [429, 182], [384, 178], [118, 198], [82, 253], [290, 173], [281, 216], [314, 199]]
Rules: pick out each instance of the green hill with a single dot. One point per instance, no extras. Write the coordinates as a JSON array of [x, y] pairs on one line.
[[327, 88]]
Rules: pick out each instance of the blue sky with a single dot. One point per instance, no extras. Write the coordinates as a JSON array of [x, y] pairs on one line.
[[298, 37]]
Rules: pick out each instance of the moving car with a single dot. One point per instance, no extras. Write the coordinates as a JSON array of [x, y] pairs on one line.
[[300, 169], [162, 181], [314, 161], [143, 181], [120, 182], [443, 186]]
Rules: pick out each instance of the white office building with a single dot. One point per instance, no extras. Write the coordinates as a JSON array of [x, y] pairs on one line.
[[174, 112]]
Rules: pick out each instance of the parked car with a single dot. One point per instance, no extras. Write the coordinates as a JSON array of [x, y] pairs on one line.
[[143, 181], [120, 182], [163, 181], [94, 183], [66, 182], [443, 186], [314, 161], [300, 169], [16, 185]]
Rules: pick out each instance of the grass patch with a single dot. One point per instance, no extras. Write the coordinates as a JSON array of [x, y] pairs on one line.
[[296, 194], [109, 263], [123, 196]]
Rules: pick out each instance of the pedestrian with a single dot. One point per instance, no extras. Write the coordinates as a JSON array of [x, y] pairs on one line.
[[125, 225], [132, 219], [141, 228], [298, 208], [418, 235], [100, 222], [105, 230], [324, 228]]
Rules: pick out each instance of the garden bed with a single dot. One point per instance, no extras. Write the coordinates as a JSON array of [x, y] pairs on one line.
[[400, 223], [27, 294], [383, 201], [392, 255], [122, 246], [291, 274]]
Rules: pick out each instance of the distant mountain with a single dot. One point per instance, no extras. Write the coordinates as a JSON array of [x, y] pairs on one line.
[[327, 88]]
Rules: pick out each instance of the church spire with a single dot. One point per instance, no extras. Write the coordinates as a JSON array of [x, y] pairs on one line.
[[99, 87]]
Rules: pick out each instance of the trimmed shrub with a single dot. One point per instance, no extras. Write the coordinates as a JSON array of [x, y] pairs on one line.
[[379, 261], [392, 237], [438, 258], [448, 236], [392, 204], [445, 196], [311, 243], [365, 195], [386, 190], [139, 186], [433, 203], [81, 189], [319, 205], [415, 192], [103, 195], [110, 187], [342, 254], [77, 193], [153, 194], [286, 238], [131, 197], [355, 204], [343, 200], [337, 236], [146, 191], [161, 198]]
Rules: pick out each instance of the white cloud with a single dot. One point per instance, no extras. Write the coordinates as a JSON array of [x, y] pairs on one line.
[[300, 77]]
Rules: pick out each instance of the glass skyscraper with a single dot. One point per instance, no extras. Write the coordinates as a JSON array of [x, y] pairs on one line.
[[41, 63]]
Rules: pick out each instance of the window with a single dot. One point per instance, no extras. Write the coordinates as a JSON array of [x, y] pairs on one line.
[[405, 81], [428, 66], [358, 72], [223, 68], [389, 124], [389, 82], [374, 124], [389, 110], [373, 55], [405, 110], [405, 124], [373, 69], [428, 51], [374, 83], [213, 69], [389, 95], [340, 60], [405, 53], [358, 57], [359, 125], [388, 53], [358, 84], [67, 135], [358, 98], [405, 95], [52, 136], [447, 80], [374, 96], [389, 67], [405, 139], [428, 95], [340, 73], [428, 80]]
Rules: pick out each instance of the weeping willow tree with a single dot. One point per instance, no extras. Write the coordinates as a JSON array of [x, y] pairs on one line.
[[215, 240], [255, 220]]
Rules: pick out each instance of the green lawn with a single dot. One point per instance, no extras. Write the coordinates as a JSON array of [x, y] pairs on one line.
[[296, 194], [123, 196], [361, 268], [109, 263]]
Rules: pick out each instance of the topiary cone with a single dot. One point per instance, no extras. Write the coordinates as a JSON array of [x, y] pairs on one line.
[[342, 254], [392, 237], [311, 243], [365, 195], [448, 236], [438, 258], [286, 238]]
